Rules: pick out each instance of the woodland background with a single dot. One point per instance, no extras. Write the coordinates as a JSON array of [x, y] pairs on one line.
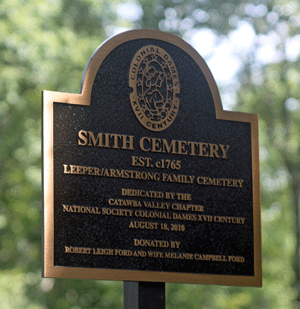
[[46, 44]]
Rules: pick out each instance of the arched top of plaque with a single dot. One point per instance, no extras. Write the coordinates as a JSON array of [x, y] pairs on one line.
[[156, 40]]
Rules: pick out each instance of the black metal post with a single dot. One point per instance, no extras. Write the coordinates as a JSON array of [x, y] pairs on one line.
[[144, 295]]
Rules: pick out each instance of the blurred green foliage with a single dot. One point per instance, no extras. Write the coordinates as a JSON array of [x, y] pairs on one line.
[[46, 44]]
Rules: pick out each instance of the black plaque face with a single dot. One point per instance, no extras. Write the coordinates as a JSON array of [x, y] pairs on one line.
[[146, 178]]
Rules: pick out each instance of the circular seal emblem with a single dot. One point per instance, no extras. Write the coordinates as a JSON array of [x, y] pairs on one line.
[[154, 79]]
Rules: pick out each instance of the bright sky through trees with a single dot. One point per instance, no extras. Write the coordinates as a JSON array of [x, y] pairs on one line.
[[224, 54]]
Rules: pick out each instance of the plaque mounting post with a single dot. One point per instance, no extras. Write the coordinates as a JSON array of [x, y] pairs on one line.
[[144, 295]]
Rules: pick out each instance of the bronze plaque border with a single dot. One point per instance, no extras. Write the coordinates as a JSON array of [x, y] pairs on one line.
[[49, 97]]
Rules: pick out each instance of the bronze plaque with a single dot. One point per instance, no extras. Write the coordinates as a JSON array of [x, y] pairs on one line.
[[146, 177]]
